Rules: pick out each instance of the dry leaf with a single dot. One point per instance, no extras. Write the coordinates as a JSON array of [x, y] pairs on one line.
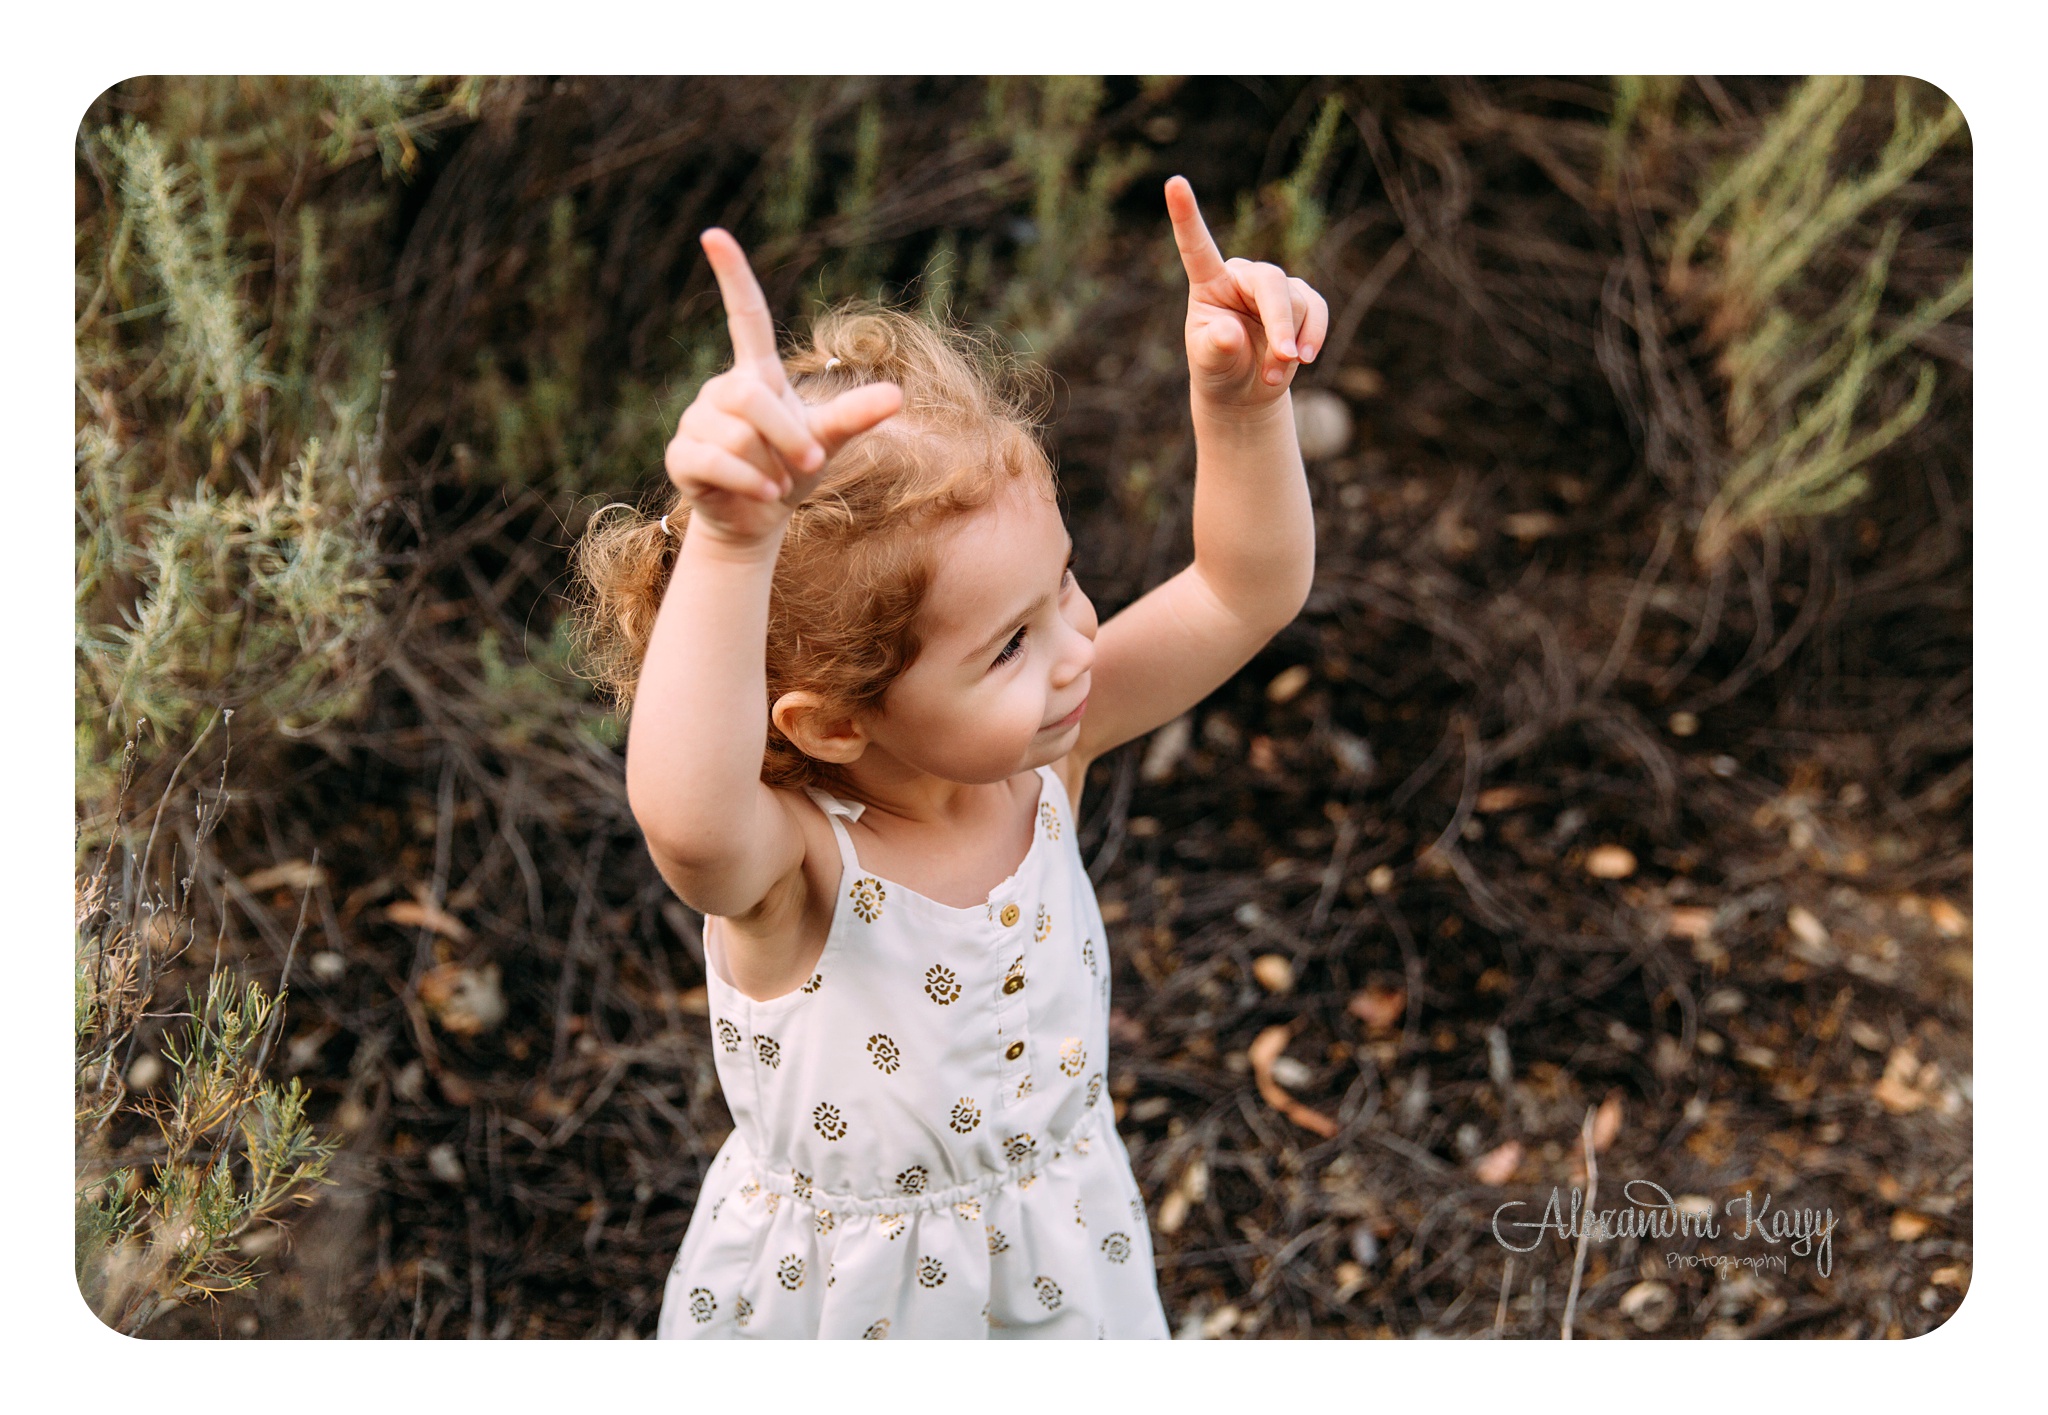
[[1380, 1008], [1531, 525], [1168, 745], [1900, 1089], [1690, 921], [1273, 972], [1263, 757], [1262, 1053], [291, 874], [1948, 918], [465, 1001], [1497, 1166], [1649, 1304], [695, 1001], [1503, 798], [1607, 1122], [1954, 1275], [1805, 927], [423, 913], [1610, 862], [1287, 684], [1380, 880], [1907, 1225]]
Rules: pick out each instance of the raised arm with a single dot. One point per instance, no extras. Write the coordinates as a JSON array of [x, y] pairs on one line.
[[746, 452], [1249, 327]]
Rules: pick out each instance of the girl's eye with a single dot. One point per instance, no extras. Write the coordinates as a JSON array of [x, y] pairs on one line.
[[1010, 649]]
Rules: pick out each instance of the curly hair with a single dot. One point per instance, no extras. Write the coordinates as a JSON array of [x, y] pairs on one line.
[[857, 558]]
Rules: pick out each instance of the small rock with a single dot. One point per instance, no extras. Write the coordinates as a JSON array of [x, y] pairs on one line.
[[1381, 880], [1353, 754], [445, 1165], [1291, 1073], [145, 1071], [1649, 1305], [1806, 928], [1322, 424], [328, 966], [1683, 724], [1168, 745], [1948, 918]]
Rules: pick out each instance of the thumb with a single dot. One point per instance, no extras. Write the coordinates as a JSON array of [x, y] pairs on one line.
[[1218, 343], [853, 412]]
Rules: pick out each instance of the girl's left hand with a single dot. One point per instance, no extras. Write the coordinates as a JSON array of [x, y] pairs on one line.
[[1250, 325]]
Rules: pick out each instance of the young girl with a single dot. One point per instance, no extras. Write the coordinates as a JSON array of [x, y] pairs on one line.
[[866, 693]]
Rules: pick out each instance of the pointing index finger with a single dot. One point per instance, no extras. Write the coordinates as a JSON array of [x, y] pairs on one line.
[[1198, 253], [746, 308]]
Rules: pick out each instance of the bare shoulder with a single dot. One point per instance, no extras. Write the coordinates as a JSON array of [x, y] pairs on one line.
[[773, 947]]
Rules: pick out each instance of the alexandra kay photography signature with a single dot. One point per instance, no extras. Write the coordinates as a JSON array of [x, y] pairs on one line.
[[1652, 1213]]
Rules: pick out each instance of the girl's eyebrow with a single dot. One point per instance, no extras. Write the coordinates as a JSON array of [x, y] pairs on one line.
[[995, 640]]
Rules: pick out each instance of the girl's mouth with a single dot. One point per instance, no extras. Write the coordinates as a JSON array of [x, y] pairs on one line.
[[1071, 718]]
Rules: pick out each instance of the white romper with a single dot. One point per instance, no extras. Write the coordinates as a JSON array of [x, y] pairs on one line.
[[923, 1145]]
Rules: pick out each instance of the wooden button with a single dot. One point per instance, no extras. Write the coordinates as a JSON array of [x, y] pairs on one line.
[[1016, 1050], [1010, 914], [1013, 982]]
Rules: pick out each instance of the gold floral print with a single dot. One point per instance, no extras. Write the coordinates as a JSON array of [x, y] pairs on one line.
[[997, 1243], [877, 1332], [1077, 1214], [1019, 1147], [790, 1272], [1081, 1144], [883, 1052], [1048, 1292], [1043, 928], [715, 1208], [772, 1200], [769, 1050], [930, 1272], [867, 895], [1088, 953], [1095, 1088], [800, 1183], [912, 1180], [1050, 819], [966, 1115], [817, 981], [728, 1035], [749, 1187], [1117, 1247], [742, 1310], [831, 1272], [892, 1225], [702, 1303], [824, 1223], [1137, 1210], [1027, 1181], [828, 1121], [969, 1209], [1024, 1087], [940, 985], [1013, 976], [1073, 1056]]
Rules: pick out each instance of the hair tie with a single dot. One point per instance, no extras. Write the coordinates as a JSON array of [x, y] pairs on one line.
[[832, 363], [664, 526]]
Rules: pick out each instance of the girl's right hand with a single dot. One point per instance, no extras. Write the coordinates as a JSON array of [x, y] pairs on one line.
[[748, 450]]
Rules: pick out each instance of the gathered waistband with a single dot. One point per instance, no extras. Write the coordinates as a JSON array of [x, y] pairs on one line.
[[781, 1181]]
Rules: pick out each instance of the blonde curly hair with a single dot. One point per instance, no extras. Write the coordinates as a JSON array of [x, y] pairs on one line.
[[856, 561]]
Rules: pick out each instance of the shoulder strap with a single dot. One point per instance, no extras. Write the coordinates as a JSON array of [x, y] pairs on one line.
[[834, 810]]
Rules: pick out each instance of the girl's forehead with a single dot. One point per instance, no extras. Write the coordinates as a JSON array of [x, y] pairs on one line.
[[994, 561]]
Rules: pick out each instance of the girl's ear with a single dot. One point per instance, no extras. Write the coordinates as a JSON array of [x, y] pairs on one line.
[[818, 731]]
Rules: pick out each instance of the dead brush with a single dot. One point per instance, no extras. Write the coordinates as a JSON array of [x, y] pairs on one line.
[[159, 1216]]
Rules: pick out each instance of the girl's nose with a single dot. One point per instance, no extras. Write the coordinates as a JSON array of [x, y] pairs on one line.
[[1077, 654]]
